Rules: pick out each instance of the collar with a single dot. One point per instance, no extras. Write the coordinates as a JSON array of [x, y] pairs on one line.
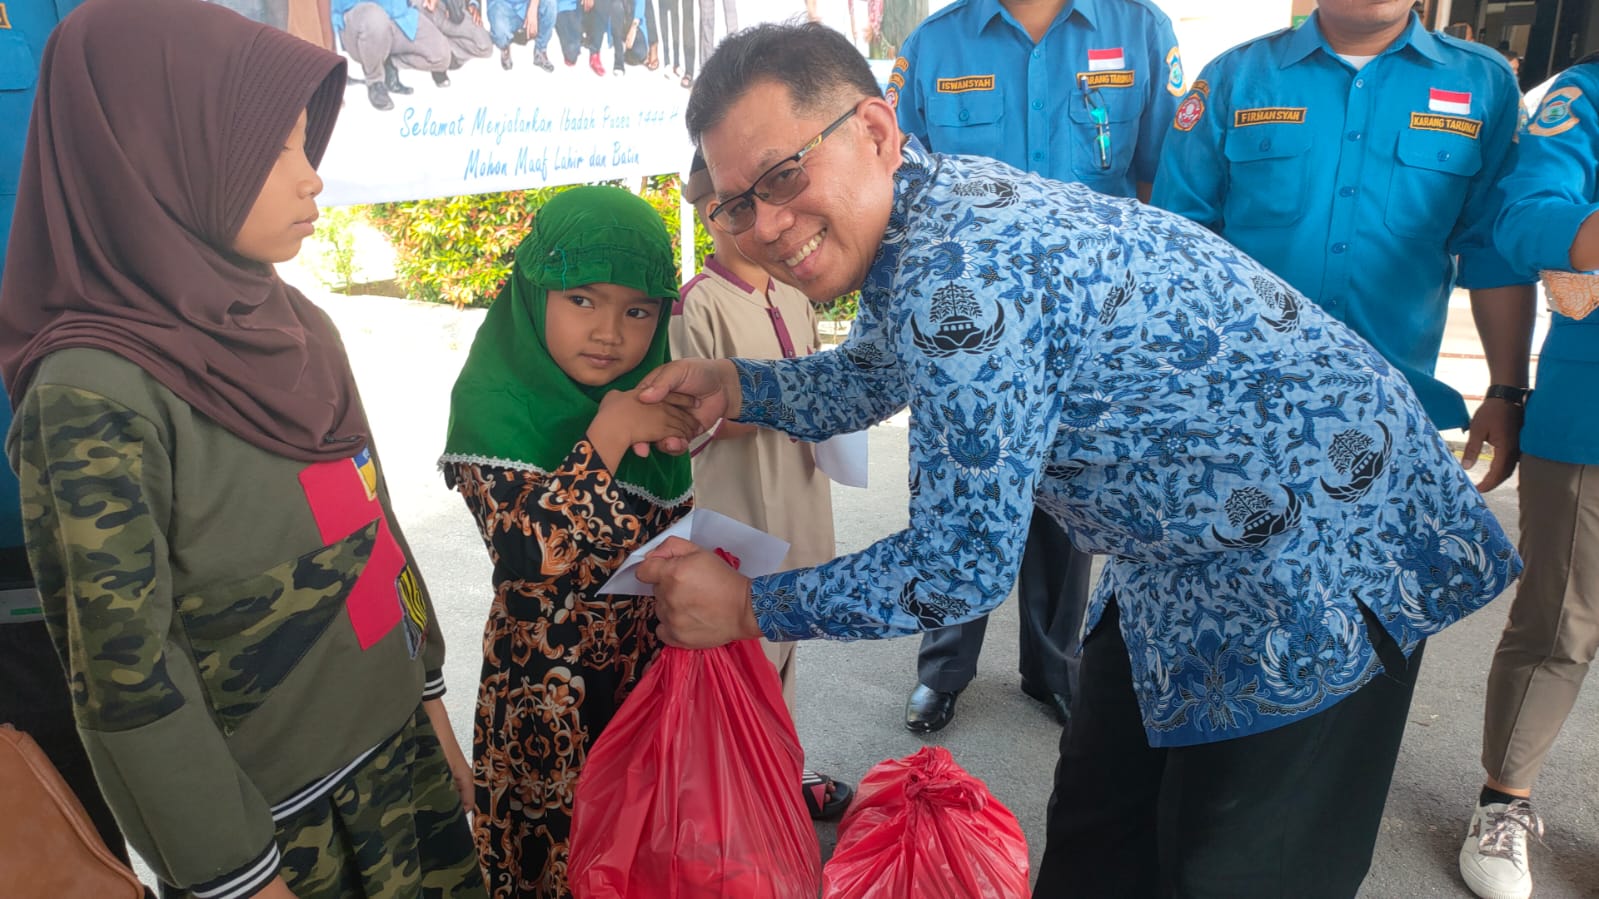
[[1308, 38], [726, 274], [989, 11]]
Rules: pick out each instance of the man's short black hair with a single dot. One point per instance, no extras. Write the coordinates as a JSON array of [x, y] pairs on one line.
[[820, 67]]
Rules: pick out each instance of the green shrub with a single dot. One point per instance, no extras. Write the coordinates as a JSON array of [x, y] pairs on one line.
[[459, 250], [336, 236]]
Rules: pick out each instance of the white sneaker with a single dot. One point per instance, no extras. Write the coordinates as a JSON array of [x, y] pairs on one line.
[[1493, 860]]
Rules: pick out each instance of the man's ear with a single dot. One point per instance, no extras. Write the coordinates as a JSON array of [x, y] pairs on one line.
[[882, 127]]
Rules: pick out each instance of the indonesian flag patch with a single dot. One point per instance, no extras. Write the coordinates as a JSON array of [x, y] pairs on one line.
[[1451, 102], [1106, 60]]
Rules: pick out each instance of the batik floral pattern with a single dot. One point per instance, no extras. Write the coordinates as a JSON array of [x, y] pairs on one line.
[[1254, 470], [558, 658]]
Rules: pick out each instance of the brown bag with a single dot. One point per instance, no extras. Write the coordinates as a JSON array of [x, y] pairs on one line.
[[48, 846]]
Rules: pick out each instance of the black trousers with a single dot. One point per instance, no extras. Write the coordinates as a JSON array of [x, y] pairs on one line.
[[1052, 590], [1291, 813]]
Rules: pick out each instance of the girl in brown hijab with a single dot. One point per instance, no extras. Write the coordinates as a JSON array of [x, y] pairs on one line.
[[253, 657]]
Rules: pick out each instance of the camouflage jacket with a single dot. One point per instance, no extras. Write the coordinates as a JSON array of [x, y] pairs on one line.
[[235, 625]]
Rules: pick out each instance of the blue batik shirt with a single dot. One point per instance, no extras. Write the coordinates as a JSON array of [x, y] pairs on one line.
[[971, 80], [1253, 469], [1360, 188], [1553, 190]]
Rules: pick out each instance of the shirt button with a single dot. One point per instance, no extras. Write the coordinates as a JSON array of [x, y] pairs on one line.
[[1038, 104], [1038, 53], [1346, 191], [1265, 144], [965, 115], [1443, 155], [1360, 82], [1339, 247], [1038, 156], [1353, 135]]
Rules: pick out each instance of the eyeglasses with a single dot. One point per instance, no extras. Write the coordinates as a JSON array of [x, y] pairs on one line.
[[1100, 115], [777, 185]]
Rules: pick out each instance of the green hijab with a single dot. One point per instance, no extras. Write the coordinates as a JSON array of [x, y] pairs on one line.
[[512, 405]]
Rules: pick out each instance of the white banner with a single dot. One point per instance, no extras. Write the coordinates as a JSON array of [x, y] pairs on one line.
[[493, 128], [478, 135]]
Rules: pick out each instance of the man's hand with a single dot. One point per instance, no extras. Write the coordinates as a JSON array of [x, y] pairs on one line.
[[530, 25], [1498, 424], [430, 5], [701, 601], [710, 384]]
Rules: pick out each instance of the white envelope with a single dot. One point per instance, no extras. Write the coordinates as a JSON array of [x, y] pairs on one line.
[[758, 552], [843, 458]]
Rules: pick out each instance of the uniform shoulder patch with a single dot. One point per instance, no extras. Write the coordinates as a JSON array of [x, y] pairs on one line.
[[891, 94], [5, 20], [1174, 72], [1192, 108], [1554, 114]]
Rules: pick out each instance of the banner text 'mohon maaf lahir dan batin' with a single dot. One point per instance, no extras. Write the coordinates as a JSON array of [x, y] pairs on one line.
[[450, 97]]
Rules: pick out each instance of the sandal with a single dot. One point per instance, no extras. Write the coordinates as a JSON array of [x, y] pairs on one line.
[[822, 805]]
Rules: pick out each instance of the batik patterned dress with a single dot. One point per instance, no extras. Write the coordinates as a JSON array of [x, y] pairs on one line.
[[558, 658]]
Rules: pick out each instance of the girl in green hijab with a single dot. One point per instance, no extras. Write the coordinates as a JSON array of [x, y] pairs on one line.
[[542, 419]]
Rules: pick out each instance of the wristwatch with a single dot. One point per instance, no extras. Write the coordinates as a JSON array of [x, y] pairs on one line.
[[1514, 395]]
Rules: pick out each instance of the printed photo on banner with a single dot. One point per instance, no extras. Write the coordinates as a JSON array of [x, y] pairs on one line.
[[454, 97]]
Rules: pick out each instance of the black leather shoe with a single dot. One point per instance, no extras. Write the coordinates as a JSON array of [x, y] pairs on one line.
[[379, 95], [929, 710], [442, 79], [1060, 705], [391, 79]]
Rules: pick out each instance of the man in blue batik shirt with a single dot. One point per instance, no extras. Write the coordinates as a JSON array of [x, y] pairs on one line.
[[1357, 157], [1284, 525], [985, 77], [33, 685], [1550, 223]]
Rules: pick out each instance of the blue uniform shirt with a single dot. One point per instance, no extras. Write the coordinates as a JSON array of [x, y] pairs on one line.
[[970, 80], [1357, 187], [1253, 470], [24, 26], [401, 11], [1553, 190]]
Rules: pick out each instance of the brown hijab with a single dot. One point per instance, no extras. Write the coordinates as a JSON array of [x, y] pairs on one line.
[[156, 124]]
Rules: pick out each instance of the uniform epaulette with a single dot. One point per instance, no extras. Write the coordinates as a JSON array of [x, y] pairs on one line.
[[1259, 38], [1482, 50], [942, 13], [1152, 7]]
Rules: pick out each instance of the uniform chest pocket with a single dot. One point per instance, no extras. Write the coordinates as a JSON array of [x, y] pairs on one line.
[[967, 123], [1431, 177], [1124, 106], [1268, 170], [18, 69]]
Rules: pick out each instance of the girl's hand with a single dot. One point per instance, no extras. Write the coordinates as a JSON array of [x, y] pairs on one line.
[[624, 421], [460, 768], [277, 889], [707, 386]]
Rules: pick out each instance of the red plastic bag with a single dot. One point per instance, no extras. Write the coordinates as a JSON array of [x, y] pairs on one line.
[[693, 790], [922, 827]]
